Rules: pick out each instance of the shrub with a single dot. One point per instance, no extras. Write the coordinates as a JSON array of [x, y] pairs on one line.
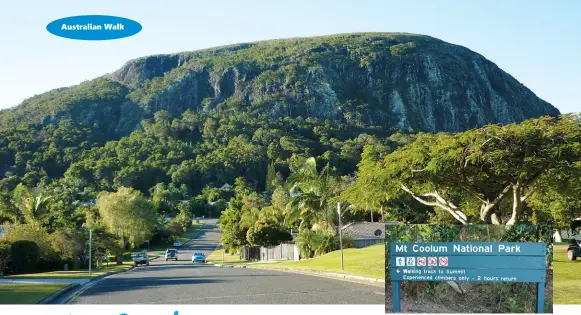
[[317, 243], [402, 49], [324, 242], [348, 241], [304, 243], [25, 256], [5, 255], [34, 233]]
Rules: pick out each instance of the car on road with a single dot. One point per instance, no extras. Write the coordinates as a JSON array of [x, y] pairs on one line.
[[171, 253], [140, 259], [177, 244], [198, 257]]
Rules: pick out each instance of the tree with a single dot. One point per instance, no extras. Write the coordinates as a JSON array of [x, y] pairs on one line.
[[311, 193], [26, 205], [68, 244], [472, 175], [270, 176], [232, 235], [268, 232], [128, 215]]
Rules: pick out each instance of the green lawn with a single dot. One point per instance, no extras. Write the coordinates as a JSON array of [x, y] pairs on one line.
[[216, 257], [367, 262], [74, 274], [27, 293], [566, 277]]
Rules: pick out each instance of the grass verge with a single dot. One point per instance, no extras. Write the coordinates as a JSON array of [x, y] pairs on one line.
[[216, 257], [27, 293], [566, 277], [74, 274], [365, 262]]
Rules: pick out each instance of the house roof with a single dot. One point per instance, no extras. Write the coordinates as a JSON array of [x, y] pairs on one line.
[[366, 230]]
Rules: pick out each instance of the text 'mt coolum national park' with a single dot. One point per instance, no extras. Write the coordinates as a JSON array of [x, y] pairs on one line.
[[94, 27]]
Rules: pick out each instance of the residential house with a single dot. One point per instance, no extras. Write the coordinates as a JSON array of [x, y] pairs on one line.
[[366, 233]]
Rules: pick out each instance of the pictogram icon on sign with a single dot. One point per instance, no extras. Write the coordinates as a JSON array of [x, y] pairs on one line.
[[432, 262], [443, 261], [400, 261], [411, 261], [421, 261]]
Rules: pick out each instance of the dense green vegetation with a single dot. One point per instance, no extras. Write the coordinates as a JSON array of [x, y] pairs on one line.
[[285, 176], [293, 127], [55, 174]]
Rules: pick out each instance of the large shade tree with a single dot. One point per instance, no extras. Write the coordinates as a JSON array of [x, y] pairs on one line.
[[128, 215], [485, 174]]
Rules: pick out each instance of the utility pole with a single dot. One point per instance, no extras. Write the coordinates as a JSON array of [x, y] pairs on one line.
[[90, 249], [340, 233]]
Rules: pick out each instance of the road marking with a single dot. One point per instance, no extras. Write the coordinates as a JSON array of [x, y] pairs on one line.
[[260, 294]]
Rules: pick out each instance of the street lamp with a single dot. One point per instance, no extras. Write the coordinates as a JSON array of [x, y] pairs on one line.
[[90, 245], [90, 249], [340, 233]]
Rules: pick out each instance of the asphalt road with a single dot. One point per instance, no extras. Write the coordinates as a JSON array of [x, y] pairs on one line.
[[182, 282]]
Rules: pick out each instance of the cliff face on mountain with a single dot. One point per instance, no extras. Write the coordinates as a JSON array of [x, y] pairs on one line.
[[395, 81]]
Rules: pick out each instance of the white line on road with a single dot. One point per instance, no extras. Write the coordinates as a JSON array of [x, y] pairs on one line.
[[257, 294]]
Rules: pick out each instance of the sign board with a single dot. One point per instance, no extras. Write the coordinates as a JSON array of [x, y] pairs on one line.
[[468, 262]]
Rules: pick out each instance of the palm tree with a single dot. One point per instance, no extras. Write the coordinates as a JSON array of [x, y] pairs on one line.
[[31, 205], [311, 192], [8, 210]]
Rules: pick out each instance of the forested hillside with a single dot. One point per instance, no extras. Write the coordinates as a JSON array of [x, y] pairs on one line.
[[395, 126]]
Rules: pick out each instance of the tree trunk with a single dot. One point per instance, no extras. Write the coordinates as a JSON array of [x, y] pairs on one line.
[[495, 219], [119, 258], [122, 250], [517, 205]]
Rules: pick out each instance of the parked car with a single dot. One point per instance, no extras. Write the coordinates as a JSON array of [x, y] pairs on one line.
[[177, 244], [198, 257], [171, 253], [140, 259]]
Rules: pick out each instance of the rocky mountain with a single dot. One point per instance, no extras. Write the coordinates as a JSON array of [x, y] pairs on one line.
[[392, 80]]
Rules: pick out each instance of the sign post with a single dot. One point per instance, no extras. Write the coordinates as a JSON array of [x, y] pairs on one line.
[[468, 262]]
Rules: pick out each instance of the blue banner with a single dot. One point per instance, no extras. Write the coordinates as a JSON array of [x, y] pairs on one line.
[[94, 27]]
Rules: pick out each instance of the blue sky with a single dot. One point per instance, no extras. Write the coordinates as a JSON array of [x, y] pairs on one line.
[[537, 42]]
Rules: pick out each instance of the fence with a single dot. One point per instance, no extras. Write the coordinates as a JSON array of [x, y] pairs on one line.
[[279, 252], [360, 243], [250, 253]]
